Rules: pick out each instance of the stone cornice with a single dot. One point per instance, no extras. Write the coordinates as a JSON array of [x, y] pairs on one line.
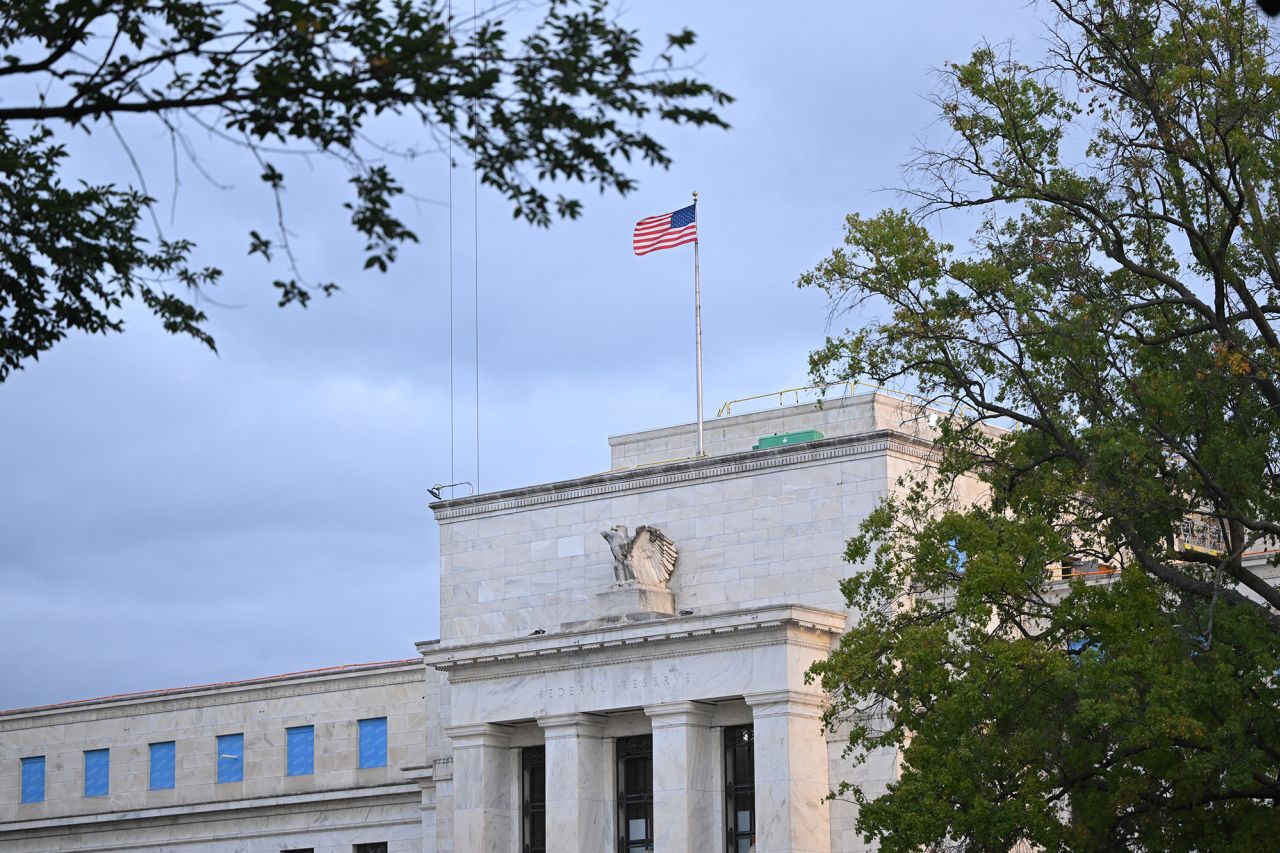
[[423, 774], [292, 802], [644, 641], [204, 697], [680, 713], [478, 734], [677, 650], [784, 701], [569, 724], [685, 471]]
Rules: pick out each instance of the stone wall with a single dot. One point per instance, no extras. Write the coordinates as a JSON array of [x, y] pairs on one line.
[[197, 807], [753, 529], [861, 413]]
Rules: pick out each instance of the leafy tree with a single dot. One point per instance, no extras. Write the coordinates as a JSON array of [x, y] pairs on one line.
[[564, 103], [1107, 360]]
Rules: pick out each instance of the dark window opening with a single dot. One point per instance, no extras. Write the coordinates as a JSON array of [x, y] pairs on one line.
[[740, 789], [533, 792], [635, 794], [371, 847]]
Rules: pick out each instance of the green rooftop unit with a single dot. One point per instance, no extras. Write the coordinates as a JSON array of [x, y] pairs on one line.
[[782, 439]]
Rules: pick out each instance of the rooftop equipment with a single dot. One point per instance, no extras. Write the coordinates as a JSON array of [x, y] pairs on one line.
[[783, 439]]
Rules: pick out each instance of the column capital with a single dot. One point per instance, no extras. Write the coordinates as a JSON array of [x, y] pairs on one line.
[[424, 775], [565, 725], [792, 702], [479, 734], [682, 713]]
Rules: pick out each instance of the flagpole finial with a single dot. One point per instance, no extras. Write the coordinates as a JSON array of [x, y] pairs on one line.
[[695, 196]]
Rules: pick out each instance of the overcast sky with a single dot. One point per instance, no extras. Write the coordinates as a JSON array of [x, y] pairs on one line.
[[168, 517]]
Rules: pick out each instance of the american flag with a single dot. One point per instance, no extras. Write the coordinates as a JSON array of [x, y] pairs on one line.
[[666, 231]]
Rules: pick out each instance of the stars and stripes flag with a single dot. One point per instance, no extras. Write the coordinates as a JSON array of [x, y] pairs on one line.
[[666, 231]]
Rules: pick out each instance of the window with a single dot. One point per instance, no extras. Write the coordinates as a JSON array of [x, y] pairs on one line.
[[635, 794], [374, 847], [373, 742], [33, 779], [230, 758], [97, 772], [300, 743], [533, 793], [299, 850], [740, 788], [162, 765]]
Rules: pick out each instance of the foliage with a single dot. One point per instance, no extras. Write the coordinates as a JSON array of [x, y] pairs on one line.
[[1105, 355], [565, 102]]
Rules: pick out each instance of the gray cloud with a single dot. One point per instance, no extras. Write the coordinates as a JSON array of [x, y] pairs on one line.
[[169, 517]]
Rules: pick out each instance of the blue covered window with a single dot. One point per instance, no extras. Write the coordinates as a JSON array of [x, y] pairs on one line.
[[230, 758], [97, 772], [33, 779], [300, 742], [373, 742], [162, 765]]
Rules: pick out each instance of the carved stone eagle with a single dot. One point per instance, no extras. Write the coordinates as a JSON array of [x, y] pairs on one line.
[[648, 557]]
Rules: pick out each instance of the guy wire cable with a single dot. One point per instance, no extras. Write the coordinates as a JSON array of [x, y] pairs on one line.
[[475, 236], [449, 171]]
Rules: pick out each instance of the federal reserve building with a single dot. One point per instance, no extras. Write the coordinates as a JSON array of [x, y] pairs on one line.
[[621, 667]]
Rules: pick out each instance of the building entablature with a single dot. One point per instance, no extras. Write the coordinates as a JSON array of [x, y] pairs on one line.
[[266, 689], [709, 658], [660, 475], [277, 807], [795, 623]]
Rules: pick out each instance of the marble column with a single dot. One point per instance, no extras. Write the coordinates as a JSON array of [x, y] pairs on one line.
[[791, 773], [484, 811], [442, 772], [579, 791], [686, 789], [425, 777]]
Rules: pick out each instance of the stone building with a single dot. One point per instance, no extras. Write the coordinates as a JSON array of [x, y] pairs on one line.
[[567, 705]]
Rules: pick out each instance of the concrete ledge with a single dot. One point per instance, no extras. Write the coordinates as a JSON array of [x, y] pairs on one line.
[[188, 810], [448, 658], [689, 470]]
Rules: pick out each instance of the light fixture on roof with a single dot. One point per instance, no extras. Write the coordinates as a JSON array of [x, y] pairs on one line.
[[437, 491]]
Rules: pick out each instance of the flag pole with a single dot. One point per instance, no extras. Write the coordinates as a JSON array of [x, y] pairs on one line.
[[697, 320]]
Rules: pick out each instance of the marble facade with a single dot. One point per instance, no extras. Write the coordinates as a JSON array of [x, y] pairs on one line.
[[538, 650]]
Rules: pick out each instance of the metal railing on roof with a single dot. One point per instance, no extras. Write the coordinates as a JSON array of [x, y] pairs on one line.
[[791, 396]]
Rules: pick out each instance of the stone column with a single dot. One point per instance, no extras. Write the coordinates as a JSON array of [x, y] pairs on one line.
[[791, 773], [483, 810], [685, 787], [442, 772], [579, 791], [425, 777]]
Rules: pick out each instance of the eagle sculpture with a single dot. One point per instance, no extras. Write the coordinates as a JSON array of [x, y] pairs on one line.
[[649, 557]]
